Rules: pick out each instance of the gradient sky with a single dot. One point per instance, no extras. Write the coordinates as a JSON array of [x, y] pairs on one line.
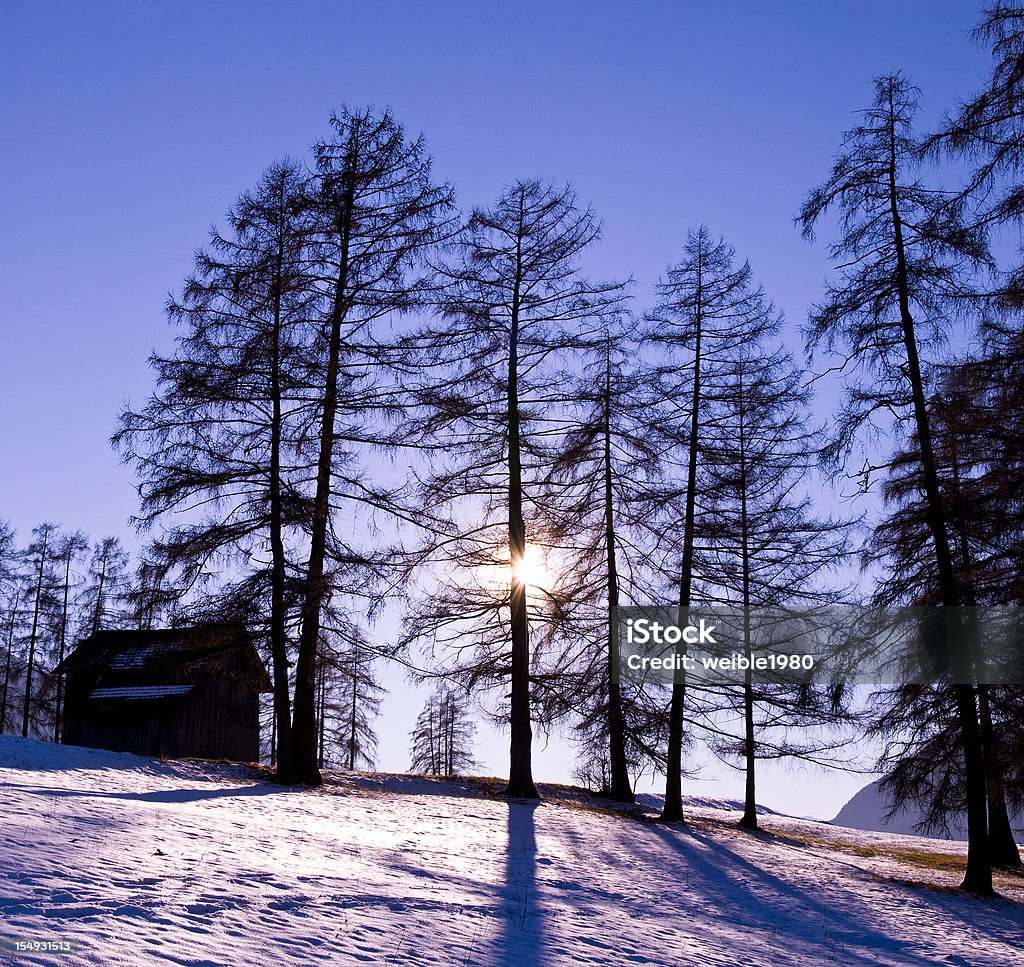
[[127, 127]]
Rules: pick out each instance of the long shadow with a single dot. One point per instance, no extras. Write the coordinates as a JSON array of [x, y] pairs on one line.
[[163, 795], [943, 902], [522, 935], [786, 907], [950, 906]]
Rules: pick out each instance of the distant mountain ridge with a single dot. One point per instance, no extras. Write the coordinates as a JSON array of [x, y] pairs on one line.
[[867, 810]]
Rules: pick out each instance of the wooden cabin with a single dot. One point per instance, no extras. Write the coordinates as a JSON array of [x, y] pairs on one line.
[[169, 692]]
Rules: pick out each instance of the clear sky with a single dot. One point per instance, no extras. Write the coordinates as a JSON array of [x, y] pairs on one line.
[[127, 127]]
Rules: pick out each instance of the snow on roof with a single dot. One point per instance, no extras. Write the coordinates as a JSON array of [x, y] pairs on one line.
[[139, 692], [135, 657]]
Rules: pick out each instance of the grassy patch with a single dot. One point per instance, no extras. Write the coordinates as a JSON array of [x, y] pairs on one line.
[[923, 858], [934, 861]]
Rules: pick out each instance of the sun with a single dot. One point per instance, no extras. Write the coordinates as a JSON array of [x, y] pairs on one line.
[[531, 569]]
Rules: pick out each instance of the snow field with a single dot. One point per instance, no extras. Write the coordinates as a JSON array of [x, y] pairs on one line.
[[138, 862]]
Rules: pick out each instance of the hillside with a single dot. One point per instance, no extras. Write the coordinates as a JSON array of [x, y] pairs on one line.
[[135, 861]]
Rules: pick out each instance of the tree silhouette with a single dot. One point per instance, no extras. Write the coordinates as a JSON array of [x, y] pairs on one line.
[[442, 740], [70, 547], [968, 412], [516, 306], [40, 556], [707, 308], [903, 252], [209, 446], [987, 132], [766, 548], [609, 452], [103, 591], [12, 590], [276, 391], [348, 698], [376, 212]]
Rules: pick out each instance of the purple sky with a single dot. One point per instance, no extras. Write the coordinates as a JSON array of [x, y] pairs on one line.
[[127, 127]]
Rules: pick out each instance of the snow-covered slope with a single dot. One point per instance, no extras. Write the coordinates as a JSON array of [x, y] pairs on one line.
[[135, 861], [867, 810]]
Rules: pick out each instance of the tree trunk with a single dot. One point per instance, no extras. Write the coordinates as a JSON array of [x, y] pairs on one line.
[[7, 663], [278, 633], [1002, 844], [435, 753], [304, 713], [978, 875], [320, 717], [449, 735], [273, 736], [58, 705], [352, 714], [673, 808], [621, 788], [520, 777], [749, 819]]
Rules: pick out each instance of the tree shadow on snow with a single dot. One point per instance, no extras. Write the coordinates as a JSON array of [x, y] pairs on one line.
[[161, 795], [761, 902], [521, 937]]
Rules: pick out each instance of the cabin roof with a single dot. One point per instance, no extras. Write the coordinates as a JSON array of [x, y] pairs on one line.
[[158, 651]]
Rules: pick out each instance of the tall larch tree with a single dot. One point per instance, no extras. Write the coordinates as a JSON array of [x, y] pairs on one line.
[[903, 254], [71, 546], [766, 548], [707, 307], [220, 444], [607, 459], [40, 556], [378, 213], [492, 383]]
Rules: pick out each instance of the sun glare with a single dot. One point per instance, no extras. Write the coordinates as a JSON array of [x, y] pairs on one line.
[[530, 569]]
